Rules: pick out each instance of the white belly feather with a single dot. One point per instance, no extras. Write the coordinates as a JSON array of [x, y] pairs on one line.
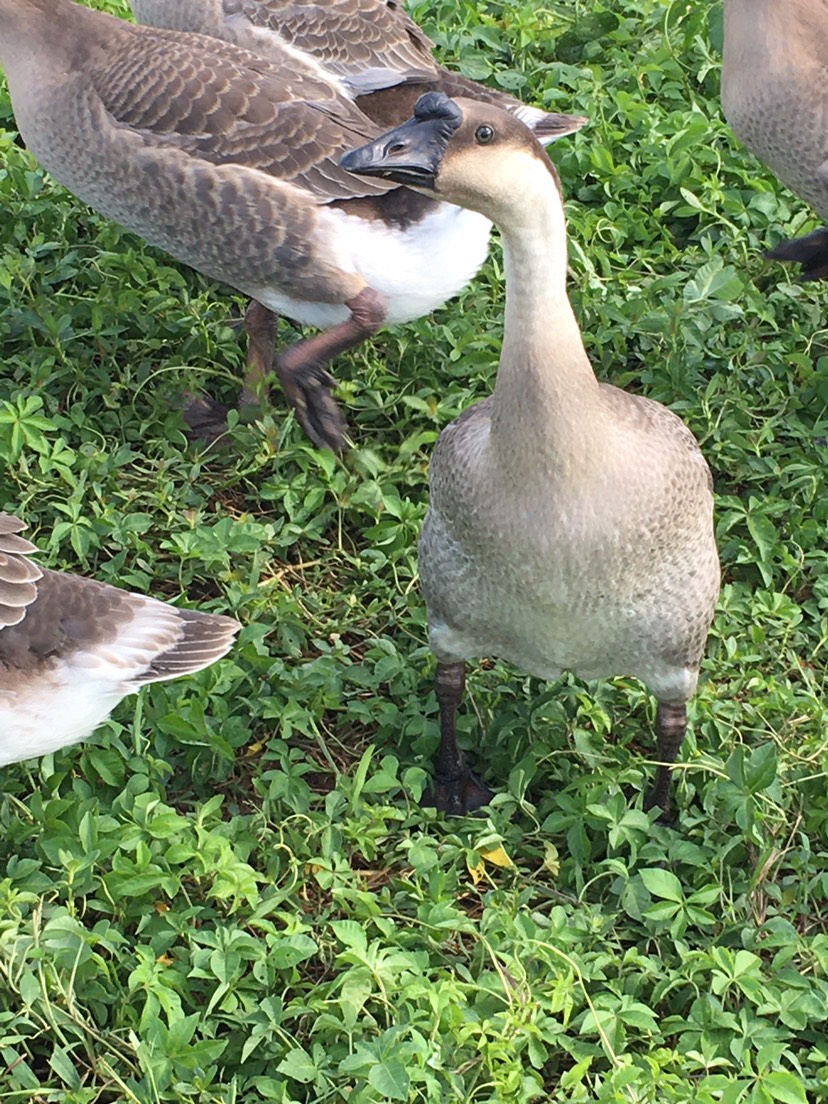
[[416, 269]]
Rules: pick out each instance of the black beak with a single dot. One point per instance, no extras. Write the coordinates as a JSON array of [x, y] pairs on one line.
[[409, 154]]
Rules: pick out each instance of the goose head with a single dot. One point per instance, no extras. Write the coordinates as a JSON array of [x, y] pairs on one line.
[[466, 152]]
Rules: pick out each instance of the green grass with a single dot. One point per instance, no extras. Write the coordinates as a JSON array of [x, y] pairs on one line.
[[231, 894]]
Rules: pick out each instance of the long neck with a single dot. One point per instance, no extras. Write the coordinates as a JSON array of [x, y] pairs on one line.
[[546, 392], [43, 40]]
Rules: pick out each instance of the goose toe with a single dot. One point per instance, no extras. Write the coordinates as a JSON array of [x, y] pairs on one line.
[[459, 795], [206, 418], [309, 389]]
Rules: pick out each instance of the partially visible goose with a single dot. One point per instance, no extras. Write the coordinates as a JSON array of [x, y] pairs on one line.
[[570, 525], [373, 46], [774, 88], [228, 161], [72, 648]]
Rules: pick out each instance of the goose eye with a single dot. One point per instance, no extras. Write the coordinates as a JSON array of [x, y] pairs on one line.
[[484, 134]]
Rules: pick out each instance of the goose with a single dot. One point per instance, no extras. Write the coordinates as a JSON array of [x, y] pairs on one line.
[[373, 46], [71, 648], [570, 524], [773, 87], [228, 161], [383, 59]]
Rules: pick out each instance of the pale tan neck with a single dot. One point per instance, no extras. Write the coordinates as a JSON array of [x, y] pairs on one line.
[[41, 39], [546, 391]]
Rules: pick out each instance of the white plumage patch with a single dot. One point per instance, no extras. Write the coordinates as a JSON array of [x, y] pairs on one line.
[[416, 269], [59, 702], [55, 709]]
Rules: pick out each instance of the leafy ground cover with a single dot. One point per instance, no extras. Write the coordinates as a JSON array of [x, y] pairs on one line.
[[231, 893]]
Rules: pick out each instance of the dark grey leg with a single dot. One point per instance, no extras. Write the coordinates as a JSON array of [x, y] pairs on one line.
[[206, 417], [671, 727], [306, 381], [456, 790], [260, 327]]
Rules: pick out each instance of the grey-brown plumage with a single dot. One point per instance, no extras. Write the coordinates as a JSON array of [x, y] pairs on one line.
[[370, 43], [229, 161], [71, 648], [18, 575], [385, 61], [570, 524], [774, 86]]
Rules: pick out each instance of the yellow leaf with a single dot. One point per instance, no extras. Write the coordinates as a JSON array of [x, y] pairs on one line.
[[477, 872], [550, 860], [496, 857]]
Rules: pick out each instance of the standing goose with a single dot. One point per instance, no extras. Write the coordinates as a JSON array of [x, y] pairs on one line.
[[774, 86], [570, 524], [72, 648], [229, 162]]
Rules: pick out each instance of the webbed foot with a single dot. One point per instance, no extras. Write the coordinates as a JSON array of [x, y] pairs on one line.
[[205, 417], [457, 796], [309, 387], [811, 251]]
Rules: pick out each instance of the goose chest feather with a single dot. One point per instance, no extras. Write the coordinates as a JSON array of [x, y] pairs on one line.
[[570, 524]]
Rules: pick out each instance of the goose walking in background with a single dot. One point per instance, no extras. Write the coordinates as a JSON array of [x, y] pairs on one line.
[[228, 161], [373, 46], [774, 85], [570, 524], [72, 648]]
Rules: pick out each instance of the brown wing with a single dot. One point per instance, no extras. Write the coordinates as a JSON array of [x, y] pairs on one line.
[[228, 106], [18, 575], [372, 43], [138, 638]]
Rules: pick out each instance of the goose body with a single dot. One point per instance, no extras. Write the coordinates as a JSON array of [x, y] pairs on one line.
[[774, 84], [228, 161], [570, 524], [371, 44], [71, 648]]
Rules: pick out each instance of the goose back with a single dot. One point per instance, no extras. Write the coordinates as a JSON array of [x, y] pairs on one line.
[[370, 43]]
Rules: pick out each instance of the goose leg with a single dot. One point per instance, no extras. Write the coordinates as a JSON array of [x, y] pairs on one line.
[[455, 789], [671, 727], [206, 417], [260, 327], [307, 383]]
